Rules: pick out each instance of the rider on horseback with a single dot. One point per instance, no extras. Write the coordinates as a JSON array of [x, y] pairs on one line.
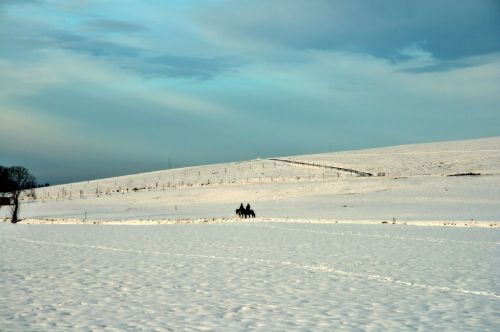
[[245, 212]]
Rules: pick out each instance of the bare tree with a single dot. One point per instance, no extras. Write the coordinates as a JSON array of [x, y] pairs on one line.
[[14, 181]]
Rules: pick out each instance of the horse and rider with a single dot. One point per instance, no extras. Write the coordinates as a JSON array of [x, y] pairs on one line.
[[245, 212]]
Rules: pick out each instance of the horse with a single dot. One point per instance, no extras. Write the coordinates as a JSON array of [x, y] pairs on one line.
[[244, 213]]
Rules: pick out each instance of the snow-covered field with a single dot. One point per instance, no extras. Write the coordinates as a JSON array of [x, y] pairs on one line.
[[329, 250], [241, 276], [415, 186]]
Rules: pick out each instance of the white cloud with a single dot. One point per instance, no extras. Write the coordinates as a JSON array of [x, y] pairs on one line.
[[100, 76], [379, 28], [346, 82]]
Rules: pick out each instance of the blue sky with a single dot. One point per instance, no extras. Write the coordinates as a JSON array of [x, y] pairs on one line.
[[91, 89]]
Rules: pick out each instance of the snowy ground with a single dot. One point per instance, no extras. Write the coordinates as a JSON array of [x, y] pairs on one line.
[[241, 276], [416, 186], [328, 251]]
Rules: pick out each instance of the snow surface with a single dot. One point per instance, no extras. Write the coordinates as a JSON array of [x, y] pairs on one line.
[[415, 187], [249, 276], [328, 251]]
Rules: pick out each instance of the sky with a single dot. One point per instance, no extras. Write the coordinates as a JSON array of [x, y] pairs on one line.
[[93, 89]]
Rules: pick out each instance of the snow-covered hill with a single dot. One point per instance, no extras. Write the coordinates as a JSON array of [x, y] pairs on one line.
[[269, 275], [409, 183]]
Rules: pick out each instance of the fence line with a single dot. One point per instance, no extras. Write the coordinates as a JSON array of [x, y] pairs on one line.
[[348, 170], [97, 189]]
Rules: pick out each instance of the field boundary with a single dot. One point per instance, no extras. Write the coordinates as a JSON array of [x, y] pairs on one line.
[[342, 169]]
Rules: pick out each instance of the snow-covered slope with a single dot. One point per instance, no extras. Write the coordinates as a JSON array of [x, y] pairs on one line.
[[269, 275], [409, 183], [444, 158]]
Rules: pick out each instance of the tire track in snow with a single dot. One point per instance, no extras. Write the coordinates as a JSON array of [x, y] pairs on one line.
[[322, 268], [425, 239]]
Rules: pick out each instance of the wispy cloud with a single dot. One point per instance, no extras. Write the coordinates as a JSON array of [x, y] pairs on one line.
[[66, 71], [201, 68], [26, 40], [19, 2], [113, 26], [82, 44], [379, 28]]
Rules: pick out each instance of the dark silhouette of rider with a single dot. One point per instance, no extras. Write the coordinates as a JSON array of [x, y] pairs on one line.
[[241, 207], [248, 207]]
